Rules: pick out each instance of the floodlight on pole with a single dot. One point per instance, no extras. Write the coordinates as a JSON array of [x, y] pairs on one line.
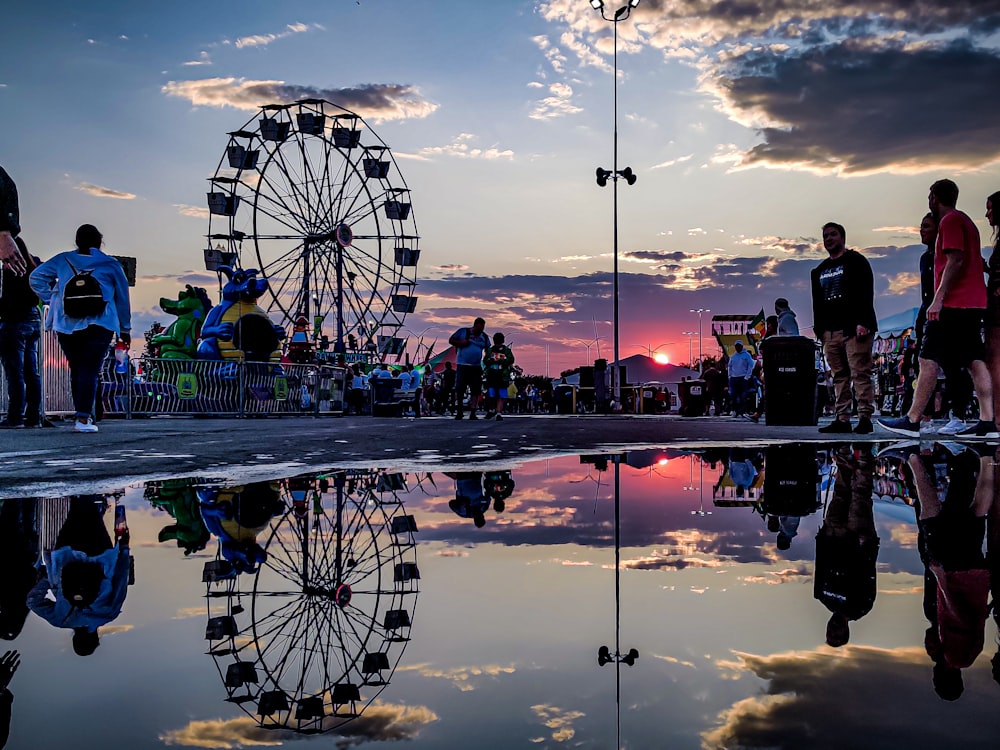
[[701, 356], [614, 174]]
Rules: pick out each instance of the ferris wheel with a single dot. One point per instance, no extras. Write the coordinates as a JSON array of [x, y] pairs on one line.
[[318, 635], [313, 198]]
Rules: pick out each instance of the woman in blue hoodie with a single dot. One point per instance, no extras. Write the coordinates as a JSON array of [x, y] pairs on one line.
[[85, 340]]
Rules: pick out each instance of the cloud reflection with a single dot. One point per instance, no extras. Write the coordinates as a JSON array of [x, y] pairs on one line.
[[381, 722], [807, 691]]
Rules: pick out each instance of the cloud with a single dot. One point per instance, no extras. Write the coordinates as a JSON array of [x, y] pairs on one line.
[[196, 212], [849, 108], [380, 722], [262, 40], [558, 104], [831, 88], [682, 28], [672, 162], [793, 246], [203, 59], [806, 693], [104, 192], [460, 147], [379, 102]]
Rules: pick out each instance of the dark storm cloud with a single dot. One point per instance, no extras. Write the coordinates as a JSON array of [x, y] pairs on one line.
[[790, 18], [854, 108]]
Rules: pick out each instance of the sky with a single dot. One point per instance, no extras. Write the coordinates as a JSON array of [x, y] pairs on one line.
[[748, 125]]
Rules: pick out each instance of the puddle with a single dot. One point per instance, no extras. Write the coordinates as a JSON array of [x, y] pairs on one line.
[[506, 603]]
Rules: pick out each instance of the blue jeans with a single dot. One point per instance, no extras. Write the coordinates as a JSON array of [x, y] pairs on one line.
[[737, 394], [85, 351], [19, 352]]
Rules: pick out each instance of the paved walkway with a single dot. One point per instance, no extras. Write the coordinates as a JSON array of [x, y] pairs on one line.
[[58, 461]]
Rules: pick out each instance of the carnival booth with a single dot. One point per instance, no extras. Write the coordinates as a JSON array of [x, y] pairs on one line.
[[894, 334]]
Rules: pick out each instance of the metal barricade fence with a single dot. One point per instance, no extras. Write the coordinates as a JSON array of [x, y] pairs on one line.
[[150, 387]]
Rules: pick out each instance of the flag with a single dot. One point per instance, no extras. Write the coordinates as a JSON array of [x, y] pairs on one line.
[[758, 325]]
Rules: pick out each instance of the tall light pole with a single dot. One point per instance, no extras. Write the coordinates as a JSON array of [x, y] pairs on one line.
[[614, 174], [690, 335], [701, 358]]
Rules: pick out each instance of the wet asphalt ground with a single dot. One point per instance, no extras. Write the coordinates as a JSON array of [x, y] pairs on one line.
[[57, 461]]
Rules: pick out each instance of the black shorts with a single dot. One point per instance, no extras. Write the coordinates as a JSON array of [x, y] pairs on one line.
[[955, 339]]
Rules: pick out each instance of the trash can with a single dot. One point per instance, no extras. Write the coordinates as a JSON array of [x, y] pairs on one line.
[[790, 480], [692, 397], [565, 399], [790, 380]]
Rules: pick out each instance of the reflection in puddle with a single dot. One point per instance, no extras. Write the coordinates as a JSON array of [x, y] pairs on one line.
[[781, 596]]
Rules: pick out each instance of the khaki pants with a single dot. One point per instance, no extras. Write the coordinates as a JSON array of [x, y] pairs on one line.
[[850, 360]]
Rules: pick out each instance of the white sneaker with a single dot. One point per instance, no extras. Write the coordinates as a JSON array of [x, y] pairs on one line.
[[953, 427], [87, 426]]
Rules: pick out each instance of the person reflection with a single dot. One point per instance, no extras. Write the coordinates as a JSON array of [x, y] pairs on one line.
[[85, 578], [499, 485], [847, 544], [9, 663], [18, 554], [954, 490], [470, 500], [993, 560]]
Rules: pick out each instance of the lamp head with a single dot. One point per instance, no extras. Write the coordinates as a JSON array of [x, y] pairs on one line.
[[632, 3], [629, 175], [631, 656], [603, 655], [602, 176], [596, 4]]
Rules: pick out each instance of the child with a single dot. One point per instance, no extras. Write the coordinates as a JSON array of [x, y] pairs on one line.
[[497, 363]]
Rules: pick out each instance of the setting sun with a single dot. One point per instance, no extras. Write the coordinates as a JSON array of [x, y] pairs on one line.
[[661, 358]]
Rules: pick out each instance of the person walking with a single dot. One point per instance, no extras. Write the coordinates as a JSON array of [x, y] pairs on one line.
[[470, 344], [953, 335], [85, 335], [843, 299], [740, 369], [20, 331], [497, 363], [958, 383]]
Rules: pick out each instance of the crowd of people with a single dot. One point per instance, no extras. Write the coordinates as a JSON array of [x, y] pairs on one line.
[[483, 377]]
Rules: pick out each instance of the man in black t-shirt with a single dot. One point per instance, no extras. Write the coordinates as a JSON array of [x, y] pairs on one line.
[[843, 297]]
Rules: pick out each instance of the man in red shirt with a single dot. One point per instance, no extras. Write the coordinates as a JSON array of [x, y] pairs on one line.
[[953, 334]]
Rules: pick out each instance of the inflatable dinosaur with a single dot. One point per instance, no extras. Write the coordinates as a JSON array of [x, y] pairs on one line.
[[180, 339], [178, 498], [238, 329]]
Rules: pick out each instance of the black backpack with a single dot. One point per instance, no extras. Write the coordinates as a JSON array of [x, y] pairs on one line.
[[82, 297]]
